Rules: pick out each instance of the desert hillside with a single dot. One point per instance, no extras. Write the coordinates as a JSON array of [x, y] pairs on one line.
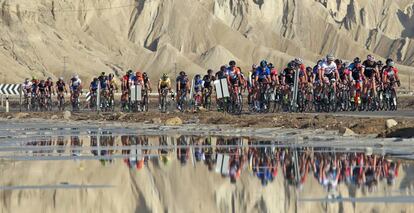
[[42, 37]]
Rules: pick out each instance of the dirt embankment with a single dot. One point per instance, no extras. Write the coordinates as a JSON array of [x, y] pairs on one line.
[[359, 125]]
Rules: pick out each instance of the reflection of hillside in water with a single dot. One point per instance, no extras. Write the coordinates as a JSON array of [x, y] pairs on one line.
[[230, 157]]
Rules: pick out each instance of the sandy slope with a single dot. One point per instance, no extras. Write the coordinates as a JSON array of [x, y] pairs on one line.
[[116, 35]]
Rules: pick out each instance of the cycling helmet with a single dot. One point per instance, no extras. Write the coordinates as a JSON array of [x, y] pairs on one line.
[[223, 68], [309, 69], [102, 73], [291, 65], [357, 60], [49, 78], [254, 66], [270, 65], [129, 72], [263, 63], [111, 75], [145, 74], [388, 60], [379, 63], [95, 79], [61, 78], [298, 61], [26, 80], [370, 58], [182, 73], [164, 76], [197, 76], [390, 63], [330, 57], [138, 74], [338, 61], [209, 71], [232, 63]]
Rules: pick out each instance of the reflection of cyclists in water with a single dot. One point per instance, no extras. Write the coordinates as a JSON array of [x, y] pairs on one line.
[[61, 143], [183, 152], [76, 143]]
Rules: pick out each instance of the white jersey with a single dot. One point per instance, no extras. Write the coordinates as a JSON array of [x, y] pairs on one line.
[[27, 86], [328, 68]]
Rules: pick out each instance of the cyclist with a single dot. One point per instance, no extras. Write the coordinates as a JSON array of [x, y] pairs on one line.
[[390, 74], [233, 74], [222, 73], [263, 79], [370, 72], [43, 91], [262, 73], [273, 75], [356, 69], [182, 86], [311, 76], [250, 84], [103, 82], [198, 88], [138, 78], [303, 77], [113, 86], [328, 71], [93, 87], [49, 85], [60, 87], [27, 87], [288, 77], [147, 82], [75, 85], [126, 85], [208, 80], [163, 83]]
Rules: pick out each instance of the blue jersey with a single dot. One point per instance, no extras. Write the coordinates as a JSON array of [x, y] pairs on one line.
[[94, 85], [262, 72], [198, 85]]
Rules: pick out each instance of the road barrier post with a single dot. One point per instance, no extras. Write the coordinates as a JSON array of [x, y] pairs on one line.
[[7, 103], [98, 97], [20, 99], [295, 90]]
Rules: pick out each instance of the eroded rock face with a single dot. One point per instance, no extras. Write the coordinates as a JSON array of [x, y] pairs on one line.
[[153, 35]]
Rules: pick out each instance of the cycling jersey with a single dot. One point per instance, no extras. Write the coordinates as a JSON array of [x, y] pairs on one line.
[[103, 82], [60, 86], [165, 83], [315, 71], [369, 68], [182, 80], [356, 71], [207, 80], [328, 68], [94, 85], [42, 88], [34, 87], [198, 85], [75, 83], [289, 75], [262, 73], [27, 86], [343, 72], [390, 72], [233, 73]]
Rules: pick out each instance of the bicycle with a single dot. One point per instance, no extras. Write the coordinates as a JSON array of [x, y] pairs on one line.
[[164, 100], [61, 101]]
